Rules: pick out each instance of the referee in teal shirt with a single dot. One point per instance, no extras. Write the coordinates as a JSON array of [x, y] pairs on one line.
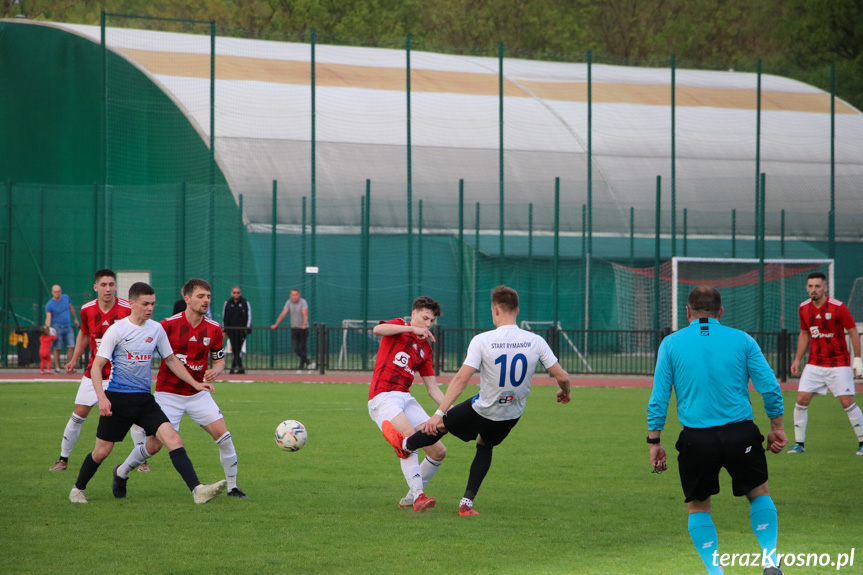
[[710, 365]]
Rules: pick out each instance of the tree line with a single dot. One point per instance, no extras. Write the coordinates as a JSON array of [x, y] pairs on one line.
[[796, 38]]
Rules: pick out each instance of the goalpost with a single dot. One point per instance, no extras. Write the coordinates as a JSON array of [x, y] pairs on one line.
[[747, 306], [776, 272], [529, 326]]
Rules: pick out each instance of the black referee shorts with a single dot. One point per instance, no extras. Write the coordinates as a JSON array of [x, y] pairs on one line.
[[703, 452], [128, 409], [466, 424]]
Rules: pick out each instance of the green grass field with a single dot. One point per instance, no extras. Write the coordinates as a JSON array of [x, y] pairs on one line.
[[570, 491]]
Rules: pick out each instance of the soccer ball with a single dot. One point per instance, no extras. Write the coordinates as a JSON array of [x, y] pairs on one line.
[[291, 435]]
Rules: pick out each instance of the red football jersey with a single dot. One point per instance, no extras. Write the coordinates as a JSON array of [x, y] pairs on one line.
[[827, 326], [94, 323], [193, 346], [399, 356]]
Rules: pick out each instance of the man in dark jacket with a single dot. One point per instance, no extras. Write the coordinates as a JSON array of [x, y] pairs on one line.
[[236, 321]]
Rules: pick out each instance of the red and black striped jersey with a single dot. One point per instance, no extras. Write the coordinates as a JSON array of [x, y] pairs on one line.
[[826, 326], [94, 322], [399, 356], [193, 346]]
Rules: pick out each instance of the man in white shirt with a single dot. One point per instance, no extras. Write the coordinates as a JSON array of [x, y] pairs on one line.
[[129, 345], [507, 357]]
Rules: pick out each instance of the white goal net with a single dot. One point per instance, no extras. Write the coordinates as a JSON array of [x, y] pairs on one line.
[[750, 304]]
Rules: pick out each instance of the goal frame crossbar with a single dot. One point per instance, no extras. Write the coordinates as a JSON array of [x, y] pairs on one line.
[[675, 261]]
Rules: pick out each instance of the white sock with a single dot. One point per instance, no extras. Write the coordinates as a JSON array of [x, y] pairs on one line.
[[465, 501], [855, 416], [428, 468], [138, 456], [139, 436], [801, 418], [71, 434], [411, 471], [228, 457]]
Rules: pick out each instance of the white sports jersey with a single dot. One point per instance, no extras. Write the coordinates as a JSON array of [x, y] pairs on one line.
[[130, 348], [506, 358]]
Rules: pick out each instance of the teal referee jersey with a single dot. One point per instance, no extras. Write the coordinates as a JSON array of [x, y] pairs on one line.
[[709, 366]]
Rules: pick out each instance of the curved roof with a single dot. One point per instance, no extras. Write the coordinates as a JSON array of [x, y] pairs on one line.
[[263, 130]]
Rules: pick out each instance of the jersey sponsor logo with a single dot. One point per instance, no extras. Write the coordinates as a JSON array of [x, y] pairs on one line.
[[183, 358], [105, 322], [817, 332], [402, 359], [193, 338], [139, 356]]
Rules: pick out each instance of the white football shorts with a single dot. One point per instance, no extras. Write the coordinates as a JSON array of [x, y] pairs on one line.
[[201, 407], [385, 406], [87, 394], [816, 379]]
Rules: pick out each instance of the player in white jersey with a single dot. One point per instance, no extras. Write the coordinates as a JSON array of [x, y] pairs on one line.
[[507, 358], [129, 345]]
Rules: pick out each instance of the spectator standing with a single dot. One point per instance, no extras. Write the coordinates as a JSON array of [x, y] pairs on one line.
[[299, 310], [60, 314], [237, 323]]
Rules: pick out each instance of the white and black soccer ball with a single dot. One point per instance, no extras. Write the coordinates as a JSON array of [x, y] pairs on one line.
[[291, 435]]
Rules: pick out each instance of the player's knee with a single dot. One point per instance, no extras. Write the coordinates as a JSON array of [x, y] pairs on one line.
[[153, 445], [100, 453], [436, 451], [82, 410]]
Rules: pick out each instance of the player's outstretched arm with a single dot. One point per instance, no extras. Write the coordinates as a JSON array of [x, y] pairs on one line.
[[390, 329], [453, 390], [180, 371], [558, 373], [434, 391]]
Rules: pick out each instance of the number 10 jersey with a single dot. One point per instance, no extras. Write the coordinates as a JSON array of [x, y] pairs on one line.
[[506, 358]]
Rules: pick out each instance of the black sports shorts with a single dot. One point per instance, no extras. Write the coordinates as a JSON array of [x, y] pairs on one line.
[[465, 423], [703, 452], [128, 409]]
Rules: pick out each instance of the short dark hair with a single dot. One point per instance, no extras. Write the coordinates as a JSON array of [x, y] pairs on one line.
[[704, 299], [817, 276], [505, 297], [194, 283], [425, 302], [138, 289], [104, 273]]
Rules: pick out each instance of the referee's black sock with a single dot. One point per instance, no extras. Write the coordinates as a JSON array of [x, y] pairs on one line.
[[184, 467], [88, 470], [420, 439], [478, 469]]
